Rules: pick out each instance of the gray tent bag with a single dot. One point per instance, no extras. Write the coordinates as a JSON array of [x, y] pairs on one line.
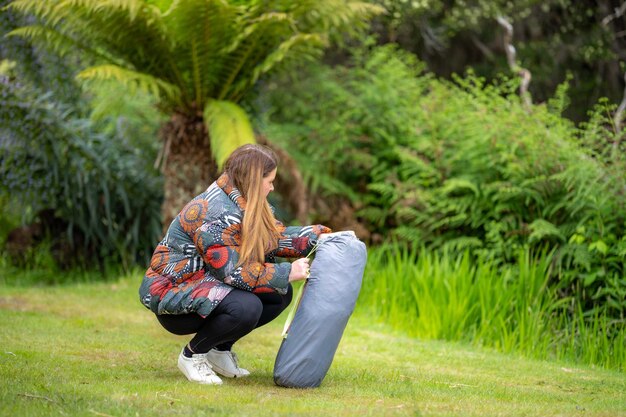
[[328, 299]]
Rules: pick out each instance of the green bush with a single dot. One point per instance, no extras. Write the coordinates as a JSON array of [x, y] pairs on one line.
[[101, 196], [459, 166]]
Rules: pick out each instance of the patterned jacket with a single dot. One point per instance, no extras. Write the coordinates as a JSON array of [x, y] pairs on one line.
[[195, 265]]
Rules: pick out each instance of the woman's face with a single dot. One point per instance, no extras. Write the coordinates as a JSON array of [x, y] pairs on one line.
[[268, 183]]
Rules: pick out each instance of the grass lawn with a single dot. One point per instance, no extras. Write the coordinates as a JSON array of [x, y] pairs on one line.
[[93, 350]]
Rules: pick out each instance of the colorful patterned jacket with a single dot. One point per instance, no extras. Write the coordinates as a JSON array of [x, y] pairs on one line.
[[195, 265]]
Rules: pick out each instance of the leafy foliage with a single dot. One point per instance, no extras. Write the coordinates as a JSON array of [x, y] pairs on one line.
[[218, 115], [71, 147], [134, 119], [459, 166], [190, 51], [190, 54], [552, 38], [101, 189], [35, 65]]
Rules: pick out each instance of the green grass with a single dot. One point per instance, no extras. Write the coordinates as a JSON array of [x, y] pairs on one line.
[[92, 350], [510, 308]]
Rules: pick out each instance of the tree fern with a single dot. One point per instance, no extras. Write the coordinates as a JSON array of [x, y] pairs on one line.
[[228, 127], [189, 53]]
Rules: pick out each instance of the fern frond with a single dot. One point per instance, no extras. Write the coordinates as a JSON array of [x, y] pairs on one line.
[[255, 25], [199, 30], [462, 243], [229, 128], [542, 229], [375, 215], [39, 9], [133, 80], [110, 30], [260, 35], [410, 234], [386, 190], [130, 7], [162, 5], [405, 214], [412, 165], [459, 186], [325, 15], [58, 42], [300, 46]]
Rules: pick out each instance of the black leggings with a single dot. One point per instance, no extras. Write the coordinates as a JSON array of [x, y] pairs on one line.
[[238, 314]]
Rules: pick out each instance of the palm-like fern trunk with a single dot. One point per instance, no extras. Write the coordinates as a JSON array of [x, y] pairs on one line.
[[188, 165]]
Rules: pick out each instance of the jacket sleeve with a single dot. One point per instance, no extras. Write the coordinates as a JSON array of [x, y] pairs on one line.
[[297, 241], [218, 244]]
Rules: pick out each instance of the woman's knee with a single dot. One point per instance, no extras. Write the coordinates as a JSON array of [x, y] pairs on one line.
[[251, 311], [244, 307]]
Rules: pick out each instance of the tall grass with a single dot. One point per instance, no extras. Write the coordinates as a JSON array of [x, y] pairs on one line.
[[512, 308]]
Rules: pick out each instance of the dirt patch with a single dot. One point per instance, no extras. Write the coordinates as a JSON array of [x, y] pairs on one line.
[[15, 303]]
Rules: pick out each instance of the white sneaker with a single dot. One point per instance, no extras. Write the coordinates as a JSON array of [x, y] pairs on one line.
[[198, 369], [226, 363]]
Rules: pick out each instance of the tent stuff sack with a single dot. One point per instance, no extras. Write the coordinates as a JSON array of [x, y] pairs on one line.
[[327, 300]]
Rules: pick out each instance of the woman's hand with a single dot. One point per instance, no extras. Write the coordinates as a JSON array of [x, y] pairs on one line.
[[299, 269]]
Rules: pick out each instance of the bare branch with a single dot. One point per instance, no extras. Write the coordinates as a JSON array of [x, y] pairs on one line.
[[620, 110], [432, 41], [511, 57], [523, 88], [508, 39], [482, 48], [619, 12], [621, 33]]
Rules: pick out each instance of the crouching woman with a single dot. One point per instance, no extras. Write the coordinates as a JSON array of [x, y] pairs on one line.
[[214, 274]]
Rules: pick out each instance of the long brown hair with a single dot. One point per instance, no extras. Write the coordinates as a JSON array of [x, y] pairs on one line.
[[246, 167]]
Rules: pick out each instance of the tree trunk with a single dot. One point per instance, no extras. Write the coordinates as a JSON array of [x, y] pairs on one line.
[[189, 168], [186, 162]]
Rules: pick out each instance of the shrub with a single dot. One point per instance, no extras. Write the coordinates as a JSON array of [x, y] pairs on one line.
[[459, 166], [101, 200]]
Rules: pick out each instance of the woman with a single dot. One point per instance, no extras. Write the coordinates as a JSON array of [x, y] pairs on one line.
[[214, 273]]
